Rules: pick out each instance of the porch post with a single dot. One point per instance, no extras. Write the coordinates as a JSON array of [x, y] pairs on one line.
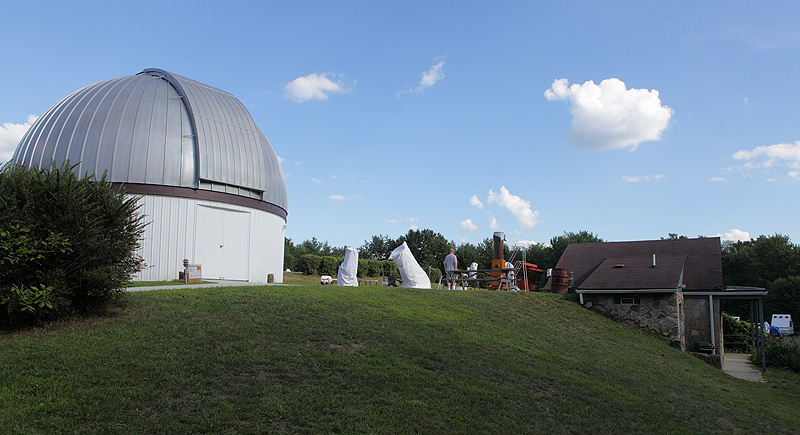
[[761, 336], [711, 318]]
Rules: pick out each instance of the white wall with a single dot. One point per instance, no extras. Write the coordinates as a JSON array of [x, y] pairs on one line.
[[171, 233]]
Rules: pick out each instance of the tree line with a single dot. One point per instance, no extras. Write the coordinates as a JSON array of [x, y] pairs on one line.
[[772, 262], [429, 249]]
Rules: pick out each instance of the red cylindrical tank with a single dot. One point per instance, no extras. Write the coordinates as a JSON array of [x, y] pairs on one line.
[[560, 279]]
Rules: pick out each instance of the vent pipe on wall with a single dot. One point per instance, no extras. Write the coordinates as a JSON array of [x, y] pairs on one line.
[[654, 260]]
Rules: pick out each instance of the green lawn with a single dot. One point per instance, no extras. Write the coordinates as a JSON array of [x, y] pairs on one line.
[[314, 359]]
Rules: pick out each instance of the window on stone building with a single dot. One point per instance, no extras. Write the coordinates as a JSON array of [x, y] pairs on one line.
[[627, 300]]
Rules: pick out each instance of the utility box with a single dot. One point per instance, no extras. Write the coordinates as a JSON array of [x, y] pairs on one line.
[[194, 273]]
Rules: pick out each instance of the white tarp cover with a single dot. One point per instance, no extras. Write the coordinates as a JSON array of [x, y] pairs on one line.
[[410, 271], [348, 269]]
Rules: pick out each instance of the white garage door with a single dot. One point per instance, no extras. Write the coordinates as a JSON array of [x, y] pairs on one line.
[[222, 242]]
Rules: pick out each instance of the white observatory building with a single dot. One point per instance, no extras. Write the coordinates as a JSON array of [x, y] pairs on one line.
[[212, 189]]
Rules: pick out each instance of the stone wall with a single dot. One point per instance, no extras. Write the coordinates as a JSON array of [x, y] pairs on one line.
[[657, 313], [698, 325]]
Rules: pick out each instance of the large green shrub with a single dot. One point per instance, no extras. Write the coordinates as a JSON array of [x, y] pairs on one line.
[[732, 326], [327, 265], [783, 352], [330, 265], [310, 264], [22, 295], [434, 274], [97, 220]]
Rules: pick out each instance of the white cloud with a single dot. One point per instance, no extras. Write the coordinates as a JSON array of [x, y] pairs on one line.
[[789, 153], [640, 178], [781, 151], [795, 175], [493, 225], [433, 75], [428, 78], [314, 87], [467, 225], [391, 221], [474, 201], [10, 135], [413, 223], [717, 179], [337, 198], [609, 116], [316, 180], [735, 235], [762, 157], [520, 208]]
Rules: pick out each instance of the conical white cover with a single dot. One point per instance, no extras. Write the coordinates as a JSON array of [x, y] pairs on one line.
[[410, 272], [348, 269]]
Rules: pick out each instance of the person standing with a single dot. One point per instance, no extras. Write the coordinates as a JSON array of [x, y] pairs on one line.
[[450, 264]]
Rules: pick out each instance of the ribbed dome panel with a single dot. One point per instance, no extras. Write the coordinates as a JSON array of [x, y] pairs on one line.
[[161, 129]]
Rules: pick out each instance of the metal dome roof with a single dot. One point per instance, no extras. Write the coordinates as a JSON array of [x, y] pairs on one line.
[[158, 128]]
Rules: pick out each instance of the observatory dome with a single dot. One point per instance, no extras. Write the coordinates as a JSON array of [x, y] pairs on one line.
[[207, 182], [163, 134]]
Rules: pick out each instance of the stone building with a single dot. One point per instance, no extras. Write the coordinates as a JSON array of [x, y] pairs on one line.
[[671, 287]]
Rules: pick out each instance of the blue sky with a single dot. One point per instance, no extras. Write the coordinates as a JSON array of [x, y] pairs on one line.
[[630, 119]]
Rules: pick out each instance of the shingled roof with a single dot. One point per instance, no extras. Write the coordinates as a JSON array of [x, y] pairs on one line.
[[695, 263]]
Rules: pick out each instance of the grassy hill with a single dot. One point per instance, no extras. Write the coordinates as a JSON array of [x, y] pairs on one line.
[[314, 359]]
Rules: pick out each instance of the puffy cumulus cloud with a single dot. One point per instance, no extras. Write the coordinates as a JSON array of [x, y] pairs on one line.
[[467, 225], [474, 201], [314, 87], [767, 156], [10, 135], [640, 178], [337, 198], [412, 223], [609, 116], [520, 208], [735, 235], [493, 225], [428, 78]]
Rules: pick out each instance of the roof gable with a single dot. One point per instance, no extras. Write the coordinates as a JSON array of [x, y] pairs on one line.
[[632, 273], [701, 268]]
